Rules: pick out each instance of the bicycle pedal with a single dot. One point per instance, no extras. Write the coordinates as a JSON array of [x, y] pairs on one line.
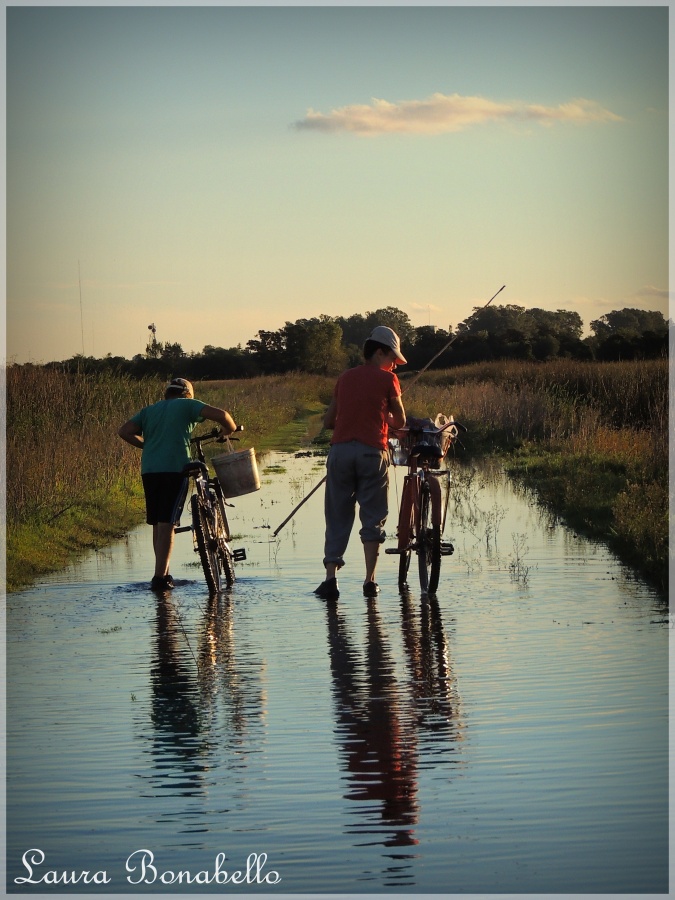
[[394, 550], [239, 554], [184, 528], [446, 548]]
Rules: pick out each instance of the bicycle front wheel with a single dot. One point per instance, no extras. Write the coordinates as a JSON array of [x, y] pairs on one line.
[[204, 525], [429, 536], [223, 551], [405, 531], [223, 534]]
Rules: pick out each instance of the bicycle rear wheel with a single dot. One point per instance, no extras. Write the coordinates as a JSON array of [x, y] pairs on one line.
[[205, 531], [429, 536], [405, 531]]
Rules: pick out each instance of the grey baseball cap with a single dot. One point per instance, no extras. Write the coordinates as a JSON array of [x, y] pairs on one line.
[[389, 338]]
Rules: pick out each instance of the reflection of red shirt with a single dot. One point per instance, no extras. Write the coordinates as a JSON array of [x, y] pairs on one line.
[[362, 402]]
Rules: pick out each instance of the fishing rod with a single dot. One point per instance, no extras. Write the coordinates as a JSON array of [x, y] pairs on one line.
[[408, 384], [451, 341]]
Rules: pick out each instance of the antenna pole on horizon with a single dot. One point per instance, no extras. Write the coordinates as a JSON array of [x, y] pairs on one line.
[[79, 278]]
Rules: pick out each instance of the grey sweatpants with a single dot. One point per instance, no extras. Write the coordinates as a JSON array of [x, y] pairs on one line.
[[355, 473]]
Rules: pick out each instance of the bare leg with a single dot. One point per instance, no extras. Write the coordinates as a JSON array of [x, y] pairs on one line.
[[162, 542], [371, 550]]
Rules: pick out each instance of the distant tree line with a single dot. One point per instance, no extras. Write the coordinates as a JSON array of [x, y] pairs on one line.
[[328, 344]]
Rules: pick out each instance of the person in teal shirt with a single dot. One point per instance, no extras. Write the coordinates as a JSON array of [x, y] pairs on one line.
[[162, 431]]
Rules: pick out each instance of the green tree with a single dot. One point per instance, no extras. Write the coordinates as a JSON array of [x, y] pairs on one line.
[[628, 323], [315, 345], [269, 351]]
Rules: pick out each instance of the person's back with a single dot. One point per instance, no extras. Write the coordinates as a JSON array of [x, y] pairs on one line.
[[363, 397], [166, 427], [366, 402], [162, 433]]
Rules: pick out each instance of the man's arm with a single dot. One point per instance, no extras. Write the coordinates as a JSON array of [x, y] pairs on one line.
[[329, 415], [131, 433], [396, 413], [221, 416]]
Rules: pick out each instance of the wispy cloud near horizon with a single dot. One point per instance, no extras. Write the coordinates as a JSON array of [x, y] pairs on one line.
[[442, 113], [652, 291]]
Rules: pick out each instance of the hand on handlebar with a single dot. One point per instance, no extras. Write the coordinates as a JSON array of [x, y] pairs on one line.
[[223, 435]]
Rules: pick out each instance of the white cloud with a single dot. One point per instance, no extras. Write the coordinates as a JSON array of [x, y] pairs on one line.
[[440, 114], [425, 307], [653, 292]]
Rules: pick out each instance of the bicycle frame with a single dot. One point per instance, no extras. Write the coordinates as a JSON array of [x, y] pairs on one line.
[[422, 514], [210, 528]]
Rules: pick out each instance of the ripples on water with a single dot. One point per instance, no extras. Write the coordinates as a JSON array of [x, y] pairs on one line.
[[509, 735]]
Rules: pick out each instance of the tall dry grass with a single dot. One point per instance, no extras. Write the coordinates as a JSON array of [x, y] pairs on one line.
[[592, 437], [617, 410], [62, 445], [597, 432]]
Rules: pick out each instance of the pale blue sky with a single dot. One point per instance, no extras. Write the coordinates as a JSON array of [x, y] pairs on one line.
[[220, 170]]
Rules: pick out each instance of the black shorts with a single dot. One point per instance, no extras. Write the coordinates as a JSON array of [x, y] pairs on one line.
[[161, 492]]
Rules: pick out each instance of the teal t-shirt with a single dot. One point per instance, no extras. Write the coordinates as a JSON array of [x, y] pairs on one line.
[[166, 428]]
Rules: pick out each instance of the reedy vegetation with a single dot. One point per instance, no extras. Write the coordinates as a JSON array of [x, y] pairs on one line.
[[72, 483], [591, 438]]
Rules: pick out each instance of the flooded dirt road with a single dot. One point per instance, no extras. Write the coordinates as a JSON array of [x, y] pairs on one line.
[[509, 736]]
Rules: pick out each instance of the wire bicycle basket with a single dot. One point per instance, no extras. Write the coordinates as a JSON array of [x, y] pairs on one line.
[[420, 434]]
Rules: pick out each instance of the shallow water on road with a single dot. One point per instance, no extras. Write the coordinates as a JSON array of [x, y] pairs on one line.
[[508, 736]]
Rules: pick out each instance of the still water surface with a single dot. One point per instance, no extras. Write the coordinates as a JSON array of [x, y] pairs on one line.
[[510, 736]]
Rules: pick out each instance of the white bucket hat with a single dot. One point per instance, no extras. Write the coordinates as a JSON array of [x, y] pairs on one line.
[[389, 338]]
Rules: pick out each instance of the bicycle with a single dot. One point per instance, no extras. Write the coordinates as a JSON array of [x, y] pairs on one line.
[[210, 528], [421, 446]]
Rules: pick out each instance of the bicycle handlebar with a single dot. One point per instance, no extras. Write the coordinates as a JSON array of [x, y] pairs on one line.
[[213, 434]]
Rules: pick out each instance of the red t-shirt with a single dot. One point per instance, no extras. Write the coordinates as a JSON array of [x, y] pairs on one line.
[[362, 398]]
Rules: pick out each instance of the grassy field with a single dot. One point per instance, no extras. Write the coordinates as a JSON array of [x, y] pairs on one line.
[[73, 484], [590, 438]]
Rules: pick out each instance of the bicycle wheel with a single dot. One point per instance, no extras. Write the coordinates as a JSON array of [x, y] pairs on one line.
[[207, 544], [220, 497], [429, 536], [405, 528], [225, 557]]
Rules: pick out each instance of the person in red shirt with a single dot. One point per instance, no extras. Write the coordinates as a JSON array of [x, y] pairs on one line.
[[366, 403]]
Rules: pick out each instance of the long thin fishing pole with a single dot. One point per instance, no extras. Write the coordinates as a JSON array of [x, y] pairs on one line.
[[408, 384], [301, 503], [451, 341]]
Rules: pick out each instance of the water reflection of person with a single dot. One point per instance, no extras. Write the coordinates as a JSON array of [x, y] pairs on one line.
[[177, 737], [191, 687], [377, 738]]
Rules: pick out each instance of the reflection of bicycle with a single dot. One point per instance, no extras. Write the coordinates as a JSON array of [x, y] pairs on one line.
[[210, 528], [421, 446]]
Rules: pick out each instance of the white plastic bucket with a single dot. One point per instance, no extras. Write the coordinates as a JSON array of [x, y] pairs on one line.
[[237, 472]]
